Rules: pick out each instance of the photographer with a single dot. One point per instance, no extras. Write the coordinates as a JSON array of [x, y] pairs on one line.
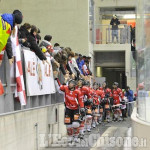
[[129, 95]]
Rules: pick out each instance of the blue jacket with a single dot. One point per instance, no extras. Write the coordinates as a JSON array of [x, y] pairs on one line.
[[80, 64], [129, 95], [8, 18]]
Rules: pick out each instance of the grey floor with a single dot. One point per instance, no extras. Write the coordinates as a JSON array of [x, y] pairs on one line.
[[113, 129]]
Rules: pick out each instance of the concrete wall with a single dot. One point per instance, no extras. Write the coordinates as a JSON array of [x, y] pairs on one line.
[[65, 20], [18, 131]]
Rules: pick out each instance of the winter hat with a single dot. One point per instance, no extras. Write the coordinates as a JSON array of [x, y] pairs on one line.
[[18, 17]]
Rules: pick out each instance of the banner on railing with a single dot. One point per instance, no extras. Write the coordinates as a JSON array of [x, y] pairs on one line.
[[39, 76]]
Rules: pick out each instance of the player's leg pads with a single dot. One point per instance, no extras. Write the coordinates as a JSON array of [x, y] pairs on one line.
[[69, 130], [75, 126]]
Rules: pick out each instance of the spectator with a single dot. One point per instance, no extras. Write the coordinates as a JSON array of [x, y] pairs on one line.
[[80, 63], [114, 22], [56, 48], [56, 45], [46, 47], [129, 95], [76, 56], [38, 37], [55, 67], [88, 65], [63, 62], [46, 43], [69, 65], [24, 32], [68, 52], [7, 23], [75, 66], [33, 43], [48, 39], [85, 68]]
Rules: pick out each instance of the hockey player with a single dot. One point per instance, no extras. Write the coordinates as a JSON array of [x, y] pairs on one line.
[[85, 91], [73, 107], [106, 90], [117, 97], [88, 107], [97, 95], [106, 101]]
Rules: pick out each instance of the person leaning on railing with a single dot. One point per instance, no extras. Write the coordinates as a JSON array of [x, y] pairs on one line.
[[31, 38], [46, 46], [24, 32], [114, 22], [7, 24]]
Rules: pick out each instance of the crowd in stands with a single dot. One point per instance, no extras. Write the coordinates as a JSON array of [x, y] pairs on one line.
[[63, 59]]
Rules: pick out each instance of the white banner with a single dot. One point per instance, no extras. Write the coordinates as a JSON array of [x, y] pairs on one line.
[[39, 76]]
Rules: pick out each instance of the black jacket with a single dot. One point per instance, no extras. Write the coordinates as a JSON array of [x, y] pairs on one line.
[[113, 22], [23, 34], [31, 39]]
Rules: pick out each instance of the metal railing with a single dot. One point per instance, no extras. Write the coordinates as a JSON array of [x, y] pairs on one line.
[[103, 34]]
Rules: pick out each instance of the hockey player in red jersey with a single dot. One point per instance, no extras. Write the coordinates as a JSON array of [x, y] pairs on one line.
[[117, 97], [88, 107], [85, 91], [73, 107], [106, 102], [106, 90], [97, 95]]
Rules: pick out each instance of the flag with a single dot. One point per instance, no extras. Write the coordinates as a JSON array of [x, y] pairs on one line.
[[20, 89]]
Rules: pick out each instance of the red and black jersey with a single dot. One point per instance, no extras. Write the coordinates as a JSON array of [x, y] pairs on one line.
[[73, 99], [96, 94], [85, 91], [117, 95], [107, 91]]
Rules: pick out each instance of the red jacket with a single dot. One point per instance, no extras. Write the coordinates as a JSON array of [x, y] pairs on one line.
[[117, 94], [73, 99], [96, 94], [106, 91], [85, 91]]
